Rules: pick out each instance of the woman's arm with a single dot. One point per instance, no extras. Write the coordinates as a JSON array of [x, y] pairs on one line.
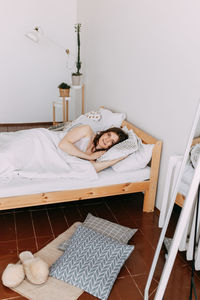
[[101, 165], [74, 135]]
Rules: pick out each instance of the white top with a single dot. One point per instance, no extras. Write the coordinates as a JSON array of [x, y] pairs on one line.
[[82, 144]]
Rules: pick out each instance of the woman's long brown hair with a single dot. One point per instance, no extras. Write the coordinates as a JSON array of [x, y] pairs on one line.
[[122, 136]]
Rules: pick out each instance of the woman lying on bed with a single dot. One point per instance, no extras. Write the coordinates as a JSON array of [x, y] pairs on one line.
[[40, 153], [82, 142]]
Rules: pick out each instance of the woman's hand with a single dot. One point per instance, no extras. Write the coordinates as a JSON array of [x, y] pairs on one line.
[[101, 165], [95, 155]]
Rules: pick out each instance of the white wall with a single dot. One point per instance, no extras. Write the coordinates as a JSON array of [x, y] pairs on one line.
[[143, 58], [30, 72]]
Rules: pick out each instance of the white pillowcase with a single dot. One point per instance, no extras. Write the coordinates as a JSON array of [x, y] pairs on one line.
[[120, 150], [110, 119], [124, 148], [94, 115], [103, 119], [138, 160]]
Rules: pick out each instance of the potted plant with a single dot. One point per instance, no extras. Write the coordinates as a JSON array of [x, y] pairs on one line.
[[64, 89], [76, 77]]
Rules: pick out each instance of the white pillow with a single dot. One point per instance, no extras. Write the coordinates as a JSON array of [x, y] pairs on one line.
[[102, 120], [120, 150], [110, 119], [94, 115], [132, 135], [138, 160], [84, 120]]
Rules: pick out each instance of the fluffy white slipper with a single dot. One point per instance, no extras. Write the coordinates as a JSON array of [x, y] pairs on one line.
[[35, 268], [13, 275]]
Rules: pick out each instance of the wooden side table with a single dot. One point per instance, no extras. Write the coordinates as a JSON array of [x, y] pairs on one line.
[[64, 104]]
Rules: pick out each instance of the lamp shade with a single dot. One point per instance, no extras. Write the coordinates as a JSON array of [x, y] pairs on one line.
[[33, 36]]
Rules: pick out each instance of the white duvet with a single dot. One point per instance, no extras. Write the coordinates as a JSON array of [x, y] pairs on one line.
[[34, 153]]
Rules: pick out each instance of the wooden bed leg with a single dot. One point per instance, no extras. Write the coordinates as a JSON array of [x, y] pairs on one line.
[[146, 205], [150, 194], [149, 201]]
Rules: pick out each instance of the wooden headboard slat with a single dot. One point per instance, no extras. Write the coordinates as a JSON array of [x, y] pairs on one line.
[[146, 138]]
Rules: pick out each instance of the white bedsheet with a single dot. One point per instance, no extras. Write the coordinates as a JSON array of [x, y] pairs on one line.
[[34, 153], [22, 186]]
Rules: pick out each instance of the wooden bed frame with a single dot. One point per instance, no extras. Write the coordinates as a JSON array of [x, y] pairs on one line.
[[181, 198], [149, 187]]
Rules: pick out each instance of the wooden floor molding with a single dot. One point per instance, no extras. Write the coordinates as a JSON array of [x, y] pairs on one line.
[[4, 127]]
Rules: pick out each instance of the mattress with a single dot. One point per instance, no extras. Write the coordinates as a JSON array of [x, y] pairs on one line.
[[23, 186]]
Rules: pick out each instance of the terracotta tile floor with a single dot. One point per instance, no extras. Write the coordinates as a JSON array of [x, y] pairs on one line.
[[32, 228]]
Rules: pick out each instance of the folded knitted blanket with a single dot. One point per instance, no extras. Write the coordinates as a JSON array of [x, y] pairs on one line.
[[194, 155]]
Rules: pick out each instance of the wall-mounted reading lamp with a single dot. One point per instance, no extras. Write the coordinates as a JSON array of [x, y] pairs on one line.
[[37, 33]]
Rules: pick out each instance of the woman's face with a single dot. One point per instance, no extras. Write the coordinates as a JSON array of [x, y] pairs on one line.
[[107, 140]]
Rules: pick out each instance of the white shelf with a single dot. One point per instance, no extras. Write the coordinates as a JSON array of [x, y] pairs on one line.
[[76, 87], [63, 102], [66, 98]]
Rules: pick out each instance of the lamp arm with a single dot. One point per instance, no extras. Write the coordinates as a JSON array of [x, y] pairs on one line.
[[56, 44]]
